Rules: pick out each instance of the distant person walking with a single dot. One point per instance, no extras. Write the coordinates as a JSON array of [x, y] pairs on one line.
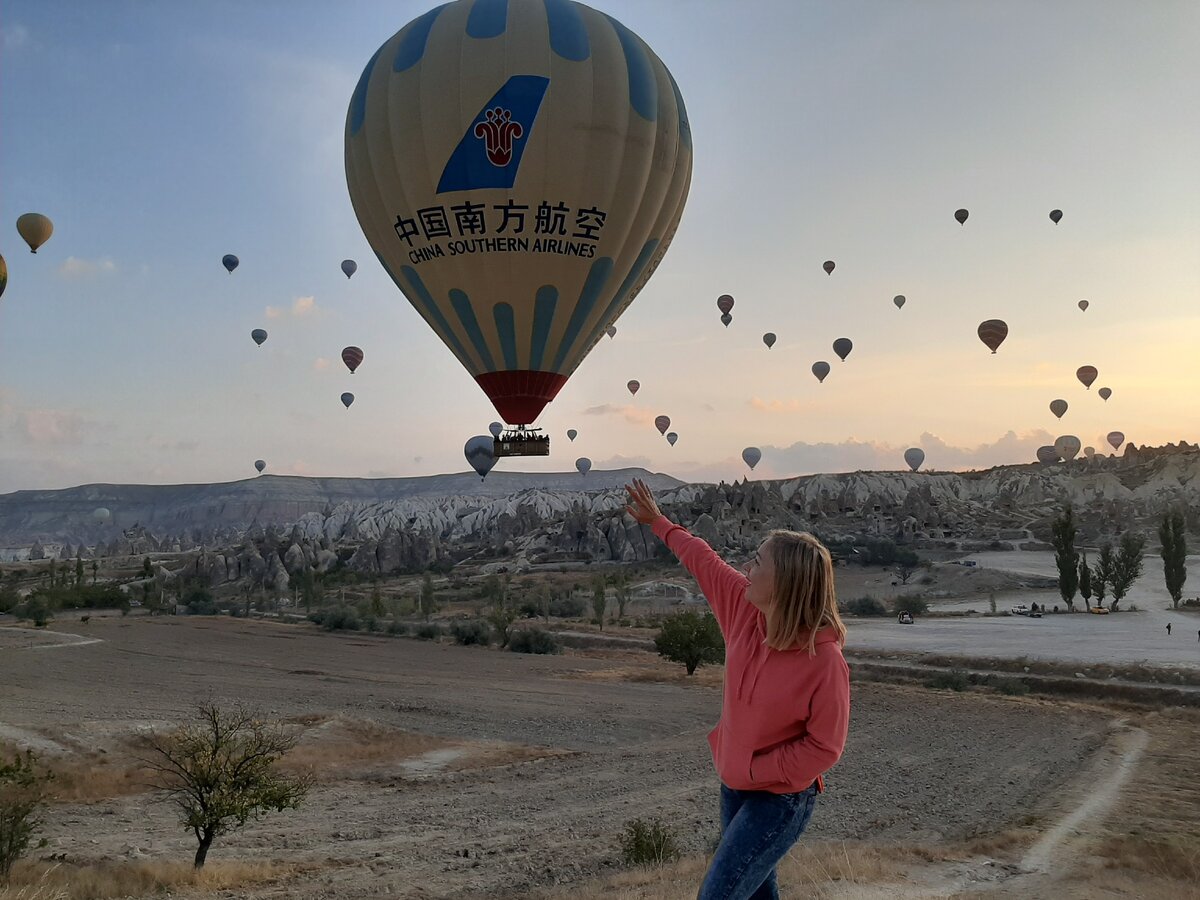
[[1168, 629], [786, 705]]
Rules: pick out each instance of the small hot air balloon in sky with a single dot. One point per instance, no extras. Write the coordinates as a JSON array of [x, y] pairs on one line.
[[1089, 452], [1083, 305], [480, 452], [260, 464], [230, 262], [769, 339], [572, 434], [725, 303], [1067, 446], [101, 514], [820, 369], [495, 428], [992, 333], [961, 216], [584, 465], [662, 423], [258, 335], [726, 318], [1058, 407], [349, 267], [842, 347], [1055, 215], [751, 456], [352, 357], [1086, 375], [672, 437], [914, 456], [611, 331], [1105, 393], [634, 386], [35, 229], [829, 265], [1116, 439], [899, 301], [3, 275], [347, 399], [501, 103], [1047, 455]]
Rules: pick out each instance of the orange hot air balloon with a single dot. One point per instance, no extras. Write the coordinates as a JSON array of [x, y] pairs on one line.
[[1086, 375], [992, 333], [352, 357]]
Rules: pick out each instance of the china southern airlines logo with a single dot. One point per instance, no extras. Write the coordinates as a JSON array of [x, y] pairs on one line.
[[489, 153]]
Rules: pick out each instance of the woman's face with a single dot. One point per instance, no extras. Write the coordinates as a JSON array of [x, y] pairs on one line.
[[761, 572]]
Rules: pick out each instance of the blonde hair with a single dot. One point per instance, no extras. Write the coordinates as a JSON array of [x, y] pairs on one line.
[[804, 596]]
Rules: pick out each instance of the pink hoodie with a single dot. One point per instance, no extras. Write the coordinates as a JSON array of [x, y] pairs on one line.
[[785, 713]]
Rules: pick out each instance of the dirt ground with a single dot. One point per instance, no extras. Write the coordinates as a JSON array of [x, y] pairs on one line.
[[535, 769]]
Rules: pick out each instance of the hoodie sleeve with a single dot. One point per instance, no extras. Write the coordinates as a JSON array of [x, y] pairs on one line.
[[803, 760], [722, 585]]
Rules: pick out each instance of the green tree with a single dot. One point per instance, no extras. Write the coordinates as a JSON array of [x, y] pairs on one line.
[[1102, 573], [147, 568], [1085, 581], [220, 772], [95, 570], [53, 574], [377, 608], [502, 616], [78, 570], [1127, 566], [1172, 535], [1062, 531], [691, 638], [428, 597], [599, 599], [620, 585], [22, 795]]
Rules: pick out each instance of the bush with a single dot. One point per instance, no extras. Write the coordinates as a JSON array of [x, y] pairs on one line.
[[468, 633], [428, 632], [22, 793], [567, 607], [918, 606], [954, 680], [864, 606], [341, 618], [1012, 687], [691, 638], [648, 843], [395, 627], [533, 640], [35, 609]]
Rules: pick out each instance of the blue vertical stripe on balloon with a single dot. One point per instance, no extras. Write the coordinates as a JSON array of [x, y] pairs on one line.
[[358, 101], [543, 317], [597, 278], [622, 294], [412, 45], [466, 315], [422, 292], [685, 127], [487, 18], [506, 328], [643, 88], [568, 34]]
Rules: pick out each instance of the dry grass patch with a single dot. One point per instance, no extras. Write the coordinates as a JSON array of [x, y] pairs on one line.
[[92, 776], [133, 878], [656, 673], [333, 747]]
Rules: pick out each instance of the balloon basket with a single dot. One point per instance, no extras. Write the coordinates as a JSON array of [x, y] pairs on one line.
[[521, 442]]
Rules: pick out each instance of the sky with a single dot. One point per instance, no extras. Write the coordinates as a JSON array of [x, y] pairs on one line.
[[160, 136]]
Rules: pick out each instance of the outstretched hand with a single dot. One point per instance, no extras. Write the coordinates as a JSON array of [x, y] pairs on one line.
[[641, 502]]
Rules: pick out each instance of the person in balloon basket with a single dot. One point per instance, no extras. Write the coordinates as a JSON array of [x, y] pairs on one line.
[[786, 706]]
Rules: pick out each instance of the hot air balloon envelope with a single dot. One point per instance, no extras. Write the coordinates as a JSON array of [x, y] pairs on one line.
[[672, 437], [1105, 393], [726, 318], [230, 262], [1055, 215], [1089, 452], [820, 369], [465, 145], [101, 514], [258, 335], [260, 464], [480, 454], [352, 357], [662, 423], [751, 456], [633, 386], [1083, 305], [495, 428], [35, 229], [829, 265], [349, 267], [1086, 375], [769, 339], [842, 347], [3, 275], [1116, 439], [914, 456], [899, 301], [572, 434], [992, 333], [725, 303], [584, 465], [1047, 455], [1067, 446], [961, 215], [611, 331], [347, 399], [1058, 407]]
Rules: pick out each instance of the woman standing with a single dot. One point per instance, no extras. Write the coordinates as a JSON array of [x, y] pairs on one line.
[[786, 706]]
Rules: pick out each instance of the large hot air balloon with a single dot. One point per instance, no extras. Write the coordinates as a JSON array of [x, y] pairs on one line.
[[35, 229], [1047, 455], [1067, 446], [611, 331], [584, 465], [352, 357], [914, 456], [1105, 393], [572, 434], [1089, 452], [672, 437], [481, 455], [842, 347], [751, 456], [347, 399], [1083, 305], [495, 428], [992, 333], [769, 339], [662, 423], [820, 368], [260, 464], [633, 386], [1055, 215], [258, 335], [3, 275], [726, 318], [1086, 375], [829, 265], [1116, 439], [899, 301], [230, 262], [519, 169], [961, 216], [725, 303], [1058, 407], [349, 267], [101, 514]]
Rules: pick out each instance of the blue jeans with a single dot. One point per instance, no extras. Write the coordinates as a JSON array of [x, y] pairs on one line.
[[757, 830]]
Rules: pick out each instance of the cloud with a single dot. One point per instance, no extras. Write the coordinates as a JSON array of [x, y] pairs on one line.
[[780, 406], [632, 414], [77, 269], [302, 308], [50, 427], [320, 364], [623, 462], [274, 312]]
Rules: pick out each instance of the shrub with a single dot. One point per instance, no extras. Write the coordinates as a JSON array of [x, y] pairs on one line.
[[34, 609], [22, 793], [918, 606], [533, 640], [954, 680], [468, 633], [341, 618], [864, 606], [691, 638], [428, 632], [395, 627], [1012, 687], [648, 843], [567, 607]]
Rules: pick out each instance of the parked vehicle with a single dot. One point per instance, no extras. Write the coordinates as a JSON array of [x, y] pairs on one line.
[[1021, 610], [905, 618]]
